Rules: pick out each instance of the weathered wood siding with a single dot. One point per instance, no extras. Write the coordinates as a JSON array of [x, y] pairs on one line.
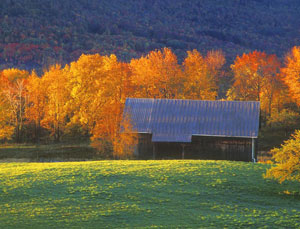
[[220, 148], [210, 148], [145, 146]]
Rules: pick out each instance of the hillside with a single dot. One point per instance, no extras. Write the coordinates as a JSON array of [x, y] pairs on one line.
[[35, 34], [144, 194]]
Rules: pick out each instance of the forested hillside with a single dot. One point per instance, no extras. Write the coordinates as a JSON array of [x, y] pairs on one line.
[[37, 34]]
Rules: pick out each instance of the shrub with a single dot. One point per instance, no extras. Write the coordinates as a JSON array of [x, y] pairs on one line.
[[287, 158]]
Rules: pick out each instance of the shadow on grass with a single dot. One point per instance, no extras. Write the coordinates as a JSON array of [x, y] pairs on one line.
[[51, 152]]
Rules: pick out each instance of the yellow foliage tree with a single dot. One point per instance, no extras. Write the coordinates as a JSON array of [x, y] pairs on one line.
[[108, 123], [6, 125], [157, 75], [54, 83], [99, 87], [87, 79], [201, 75], [13, 101], [37, 97], [288, 160]]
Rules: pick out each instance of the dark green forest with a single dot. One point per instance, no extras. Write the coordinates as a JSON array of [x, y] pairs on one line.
[[36, 34]]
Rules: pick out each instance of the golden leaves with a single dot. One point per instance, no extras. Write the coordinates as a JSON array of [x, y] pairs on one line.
[[291, 73], [288, 160], [256, 78]]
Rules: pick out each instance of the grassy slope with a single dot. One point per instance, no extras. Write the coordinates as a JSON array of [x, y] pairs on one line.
[[144, 194]]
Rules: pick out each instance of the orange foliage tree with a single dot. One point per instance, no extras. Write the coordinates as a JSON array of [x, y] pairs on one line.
[[287, 157], [291, 73], [256, 77], [13, 101], [157, 75], [99, 87], [124, 145]]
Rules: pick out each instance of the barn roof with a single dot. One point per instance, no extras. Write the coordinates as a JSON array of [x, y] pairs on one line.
[[175, 120]]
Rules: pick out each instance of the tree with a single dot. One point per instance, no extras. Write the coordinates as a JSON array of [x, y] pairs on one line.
[[13, 101], [54, 83], [256, 77], [287, 158], [291, 73], [125, 141], [200, 75], [286, 120], [99, 87], [158, 75], [109, 120], [86, 76], [6, 126], [215, 61], [36, 104]]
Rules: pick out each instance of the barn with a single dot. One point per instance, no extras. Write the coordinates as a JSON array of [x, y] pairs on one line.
[[194, 129]]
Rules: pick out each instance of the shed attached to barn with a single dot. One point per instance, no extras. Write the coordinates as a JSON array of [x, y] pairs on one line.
[[194, 129]]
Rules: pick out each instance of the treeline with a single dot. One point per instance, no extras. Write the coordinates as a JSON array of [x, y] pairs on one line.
[[85, 99]]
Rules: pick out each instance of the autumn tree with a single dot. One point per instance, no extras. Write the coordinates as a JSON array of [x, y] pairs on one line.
[[54, 115], [99, 87], [215, 60], [256, 77], [6, 124], [36, 103], [124, 145], [109, 124], [201, 75], [89, 77], [286, 120], [287, 159], [6, 114], [157, 75], [124, 142], [291, 73], [13, 101]]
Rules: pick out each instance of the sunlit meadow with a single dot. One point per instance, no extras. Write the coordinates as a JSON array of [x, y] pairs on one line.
[[118, 194]]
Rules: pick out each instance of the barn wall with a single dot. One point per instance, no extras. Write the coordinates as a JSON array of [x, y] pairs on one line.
[[145, 146], [211, 148], [220, 148]]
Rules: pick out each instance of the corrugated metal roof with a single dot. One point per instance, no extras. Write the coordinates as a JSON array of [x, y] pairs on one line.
[[175, 120]]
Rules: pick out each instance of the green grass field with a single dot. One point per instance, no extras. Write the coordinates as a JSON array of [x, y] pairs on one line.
[[127, 194]]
